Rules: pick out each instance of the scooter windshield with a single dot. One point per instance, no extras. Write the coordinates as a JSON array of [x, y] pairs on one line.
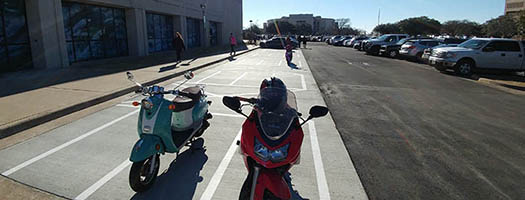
[[277, 108]]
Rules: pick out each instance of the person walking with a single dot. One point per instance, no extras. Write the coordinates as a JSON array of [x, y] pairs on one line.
[[179, 46], [304, 42], [233, 42]]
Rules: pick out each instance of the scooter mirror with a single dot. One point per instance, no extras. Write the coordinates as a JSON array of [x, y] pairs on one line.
[[232, 103], [189, 75], [318, 111], [130, 76]]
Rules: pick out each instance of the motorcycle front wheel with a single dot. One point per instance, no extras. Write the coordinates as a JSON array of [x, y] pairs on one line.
[[141, 178]]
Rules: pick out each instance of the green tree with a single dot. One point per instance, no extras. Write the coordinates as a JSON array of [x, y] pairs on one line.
[[461, 28], [419, 26], [502, 26], [521, 24], [387, 28]]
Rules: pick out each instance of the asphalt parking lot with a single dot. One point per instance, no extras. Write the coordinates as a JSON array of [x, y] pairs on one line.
[[415, 133], [88, 158]]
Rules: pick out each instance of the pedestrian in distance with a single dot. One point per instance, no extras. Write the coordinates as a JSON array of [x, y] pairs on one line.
[[233, 43], [304, 42], [179, 46]]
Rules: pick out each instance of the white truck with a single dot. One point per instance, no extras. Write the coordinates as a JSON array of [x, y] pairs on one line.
[[480, 53]]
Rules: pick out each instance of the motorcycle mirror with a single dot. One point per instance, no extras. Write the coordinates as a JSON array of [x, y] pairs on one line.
[[232, 103], [130, 76], [189, 75], [318, 111]]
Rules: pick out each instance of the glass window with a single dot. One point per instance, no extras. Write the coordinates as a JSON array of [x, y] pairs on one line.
[[15, 51], [160, 32], [193, 31], [94, 32], [213, 33], [504, 46]]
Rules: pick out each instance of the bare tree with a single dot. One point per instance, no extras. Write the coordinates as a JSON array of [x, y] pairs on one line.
[[343, 23]]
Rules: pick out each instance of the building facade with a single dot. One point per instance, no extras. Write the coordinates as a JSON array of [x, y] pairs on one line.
[[58, 33], [319, 25], [514, 6]]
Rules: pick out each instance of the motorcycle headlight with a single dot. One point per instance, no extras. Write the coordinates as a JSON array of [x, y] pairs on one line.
[[264, 154], [280, 154], [147, 104], [261, 151]]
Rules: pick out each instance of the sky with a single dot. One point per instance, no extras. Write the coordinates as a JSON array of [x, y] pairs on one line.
[[363, 13]]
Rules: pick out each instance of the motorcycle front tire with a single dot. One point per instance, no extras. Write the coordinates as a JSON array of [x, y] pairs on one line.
[[137, 171]]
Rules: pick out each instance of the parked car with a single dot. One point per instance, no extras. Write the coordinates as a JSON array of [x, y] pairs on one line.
[[373, 46], [480, 53], [340, 41], [363, 43], [428, 51], [413, 49], [357, 39], [451, 40], [278, 43], [392, 50], [334, 38]]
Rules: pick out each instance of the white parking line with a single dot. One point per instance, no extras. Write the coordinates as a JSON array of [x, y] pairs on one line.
[[280, 62], [103, 180], [126, 105], [239, 78], [300, 64], [228, 115], [207, 77], [365, 63], [322, 185], [350, 63], [47, 153], [217, 176]]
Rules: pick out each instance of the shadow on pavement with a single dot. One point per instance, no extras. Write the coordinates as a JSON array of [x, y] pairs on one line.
[[180, 180], [293, 65], [163, 69], [31, 79]]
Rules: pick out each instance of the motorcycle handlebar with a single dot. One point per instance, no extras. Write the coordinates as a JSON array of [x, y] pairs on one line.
[[249, 100]]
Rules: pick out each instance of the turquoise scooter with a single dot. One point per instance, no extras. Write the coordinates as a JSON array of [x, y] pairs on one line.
[[165, 126]]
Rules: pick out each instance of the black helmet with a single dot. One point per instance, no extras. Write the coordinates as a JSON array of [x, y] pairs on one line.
[[273, 82], [272, 94]]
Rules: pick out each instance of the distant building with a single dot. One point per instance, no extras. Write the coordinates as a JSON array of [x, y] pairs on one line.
[[319, 25], [514, 6]]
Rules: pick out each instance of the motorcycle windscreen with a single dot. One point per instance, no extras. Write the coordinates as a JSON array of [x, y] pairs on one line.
[[277, 108]]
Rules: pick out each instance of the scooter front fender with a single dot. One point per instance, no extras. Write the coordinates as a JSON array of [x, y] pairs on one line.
[[146, 147]]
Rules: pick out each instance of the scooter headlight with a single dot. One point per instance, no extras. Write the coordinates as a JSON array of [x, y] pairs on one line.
[[264, 154], [147, 104]]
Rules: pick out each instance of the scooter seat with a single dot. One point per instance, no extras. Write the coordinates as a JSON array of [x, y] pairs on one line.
[[195, 90], [183, 103]]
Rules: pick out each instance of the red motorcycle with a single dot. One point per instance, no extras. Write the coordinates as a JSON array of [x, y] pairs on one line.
[[271, 140]]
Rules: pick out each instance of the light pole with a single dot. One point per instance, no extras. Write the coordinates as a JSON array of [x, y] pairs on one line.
[[251, 29], [206, 40]]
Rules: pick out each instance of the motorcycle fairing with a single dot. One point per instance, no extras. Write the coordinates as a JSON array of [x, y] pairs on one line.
[[272, 181], [146, 147]]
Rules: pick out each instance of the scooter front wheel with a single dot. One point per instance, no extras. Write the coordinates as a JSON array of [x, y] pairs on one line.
[[143, 173]]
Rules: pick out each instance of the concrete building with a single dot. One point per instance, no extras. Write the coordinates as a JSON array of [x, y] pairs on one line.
[[319, 25], [514, 6], [56, 33]]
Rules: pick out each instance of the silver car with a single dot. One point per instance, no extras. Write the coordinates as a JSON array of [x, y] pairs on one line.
[[414, 49]]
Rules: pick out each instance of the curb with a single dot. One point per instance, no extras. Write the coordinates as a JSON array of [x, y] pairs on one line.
[[30, 123]]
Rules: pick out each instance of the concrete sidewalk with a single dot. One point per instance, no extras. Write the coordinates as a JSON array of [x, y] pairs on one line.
[[36, 98]]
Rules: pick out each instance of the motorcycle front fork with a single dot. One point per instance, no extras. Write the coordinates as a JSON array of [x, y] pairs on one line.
[[254, 181]]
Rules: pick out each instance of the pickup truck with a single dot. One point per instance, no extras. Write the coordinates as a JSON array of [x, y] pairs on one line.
[[480, 53], [373, 46]]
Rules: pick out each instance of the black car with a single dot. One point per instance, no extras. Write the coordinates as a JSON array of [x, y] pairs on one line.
[[278, 43], [392, 50], [340, 41]]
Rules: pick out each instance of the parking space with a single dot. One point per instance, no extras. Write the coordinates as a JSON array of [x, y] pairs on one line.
[[89, 158]]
